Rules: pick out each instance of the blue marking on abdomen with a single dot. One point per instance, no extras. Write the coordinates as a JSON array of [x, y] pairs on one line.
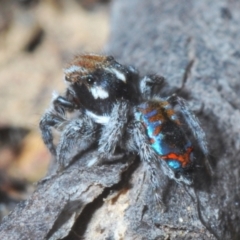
[[151, 114], [174, 164], [159, 145], [155, 124], [151, 126]]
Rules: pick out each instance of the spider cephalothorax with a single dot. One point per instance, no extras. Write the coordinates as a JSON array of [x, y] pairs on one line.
[[99, 81], [115, 99]]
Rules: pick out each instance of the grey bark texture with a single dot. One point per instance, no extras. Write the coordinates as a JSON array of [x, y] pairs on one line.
[[195, 46]]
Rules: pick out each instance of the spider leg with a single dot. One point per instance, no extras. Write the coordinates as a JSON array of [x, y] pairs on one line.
[[151, 85], [113, 132], [54, 118], [149, 158], [78, 136], [49, 120]]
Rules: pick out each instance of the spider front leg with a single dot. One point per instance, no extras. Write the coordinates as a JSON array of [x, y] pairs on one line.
[[113, 131], [55, 118]]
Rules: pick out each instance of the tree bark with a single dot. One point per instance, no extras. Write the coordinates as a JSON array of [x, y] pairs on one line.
[[195, 46]]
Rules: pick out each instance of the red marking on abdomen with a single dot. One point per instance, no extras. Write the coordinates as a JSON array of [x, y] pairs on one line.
[[184, 159]]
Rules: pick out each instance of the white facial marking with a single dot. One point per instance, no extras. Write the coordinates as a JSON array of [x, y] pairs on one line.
[[94, 92], [98, 119], [99, 92], [74, 68], [117, 73]]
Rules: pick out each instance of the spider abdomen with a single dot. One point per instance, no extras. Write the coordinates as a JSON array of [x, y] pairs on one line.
[[166, 135]]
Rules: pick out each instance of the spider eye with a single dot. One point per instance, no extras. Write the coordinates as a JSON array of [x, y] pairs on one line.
[[90, 80]]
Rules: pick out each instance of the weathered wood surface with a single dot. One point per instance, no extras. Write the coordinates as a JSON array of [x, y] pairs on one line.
[[194, 45]]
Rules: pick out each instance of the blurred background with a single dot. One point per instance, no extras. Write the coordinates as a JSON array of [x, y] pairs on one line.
[[37, 39]]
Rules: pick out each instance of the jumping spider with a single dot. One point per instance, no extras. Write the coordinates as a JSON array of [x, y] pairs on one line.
[[114, 99]]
